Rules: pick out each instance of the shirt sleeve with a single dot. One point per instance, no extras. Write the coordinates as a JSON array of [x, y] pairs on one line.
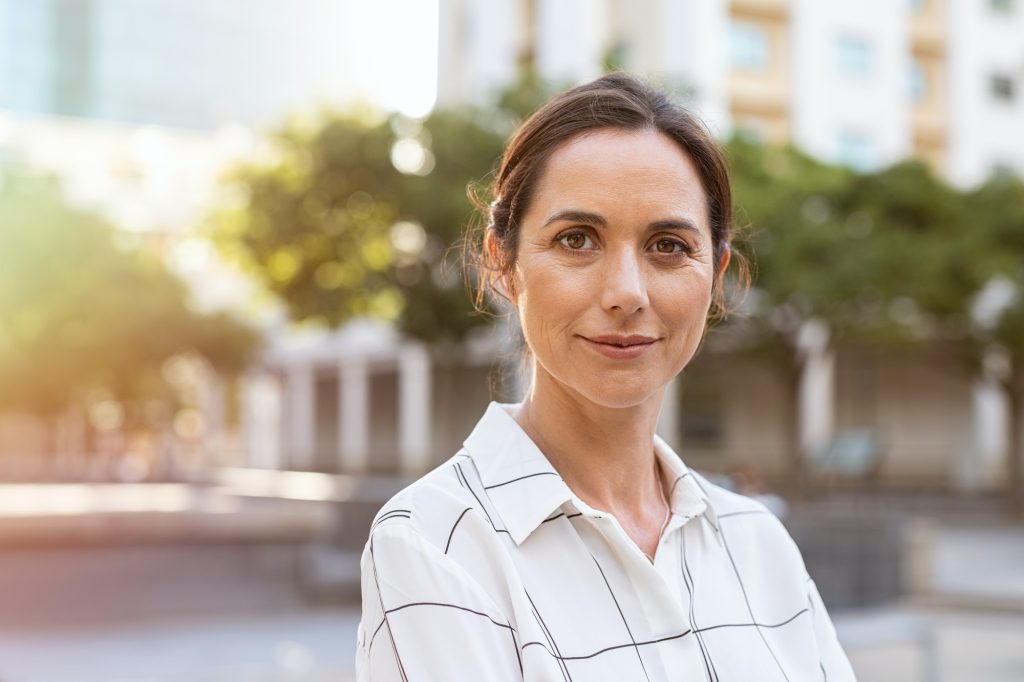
[[425, 618], [835, 666]]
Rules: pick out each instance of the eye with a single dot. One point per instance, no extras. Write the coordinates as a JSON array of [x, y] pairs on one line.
[[576, 241], [671, 246]]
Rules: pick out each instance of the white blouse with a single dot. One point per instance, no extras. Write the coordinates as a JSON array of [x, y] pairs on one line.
[[490, 569]]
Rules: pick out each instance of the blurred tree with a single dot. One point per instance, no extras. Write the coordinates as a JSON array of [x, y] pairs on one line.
[[997, 208], [791, 231], [880, 258], [78, 313], [523, 96], [923, 259], [358, 216], [943, 249]]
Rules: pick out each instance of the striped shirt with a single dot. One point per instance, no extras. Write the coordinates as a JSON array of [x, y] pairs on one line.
[[490, 568]]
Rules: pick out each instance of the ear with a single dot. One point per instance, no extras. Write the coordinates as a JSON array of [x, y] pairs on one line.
[[508, 290], [490, 245], [499, 282], [726, 257]]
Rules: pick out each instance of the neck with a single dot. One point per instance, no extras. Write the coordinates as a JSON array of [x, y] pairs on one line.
[[604, 454]]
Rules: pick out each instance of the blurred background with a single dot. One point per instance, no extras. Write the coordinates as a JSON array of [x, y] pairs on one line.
[[233, 318]]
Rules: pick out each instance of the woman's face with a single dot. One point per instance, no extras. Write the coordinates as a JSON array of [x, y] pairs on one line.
[[614, 266]]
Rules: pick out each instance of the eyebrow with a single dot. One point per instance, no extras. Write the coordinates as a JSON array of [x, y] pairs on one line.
[[587, 218]]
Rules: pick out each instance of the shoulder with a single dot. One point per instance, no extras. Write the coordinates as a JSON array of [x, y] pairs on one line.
[[752, 522], [727, 502], [428, 507]]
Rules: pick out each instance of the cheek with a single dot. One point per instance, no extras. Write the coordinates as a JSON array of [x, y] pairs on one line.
[[550, 298], [683, 299]]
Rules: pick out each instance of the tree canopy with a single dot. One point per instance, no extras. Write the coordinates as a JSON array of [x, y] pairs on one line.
[[358, 218], [77, 312]]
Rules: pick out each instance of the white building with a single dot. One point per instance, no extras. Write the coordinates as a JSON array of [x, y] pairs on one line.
[[863, 84], [986, 88], [201, 64]]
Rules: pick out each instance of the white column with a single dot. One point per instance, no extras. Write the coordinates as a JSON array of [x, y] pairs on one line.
[[668, 418], [339, 423], [261, 420], [213, 408], [989, 414], [354, 437], [816, 397], [301, 421], [414, 382]]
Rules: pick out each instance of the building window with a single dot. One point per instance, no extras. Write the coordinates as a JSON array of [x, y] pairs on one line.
[[748, 46], [918, 81], [1002, 88], [854, 150], [917, 6], [1002, 6], [853, 55]]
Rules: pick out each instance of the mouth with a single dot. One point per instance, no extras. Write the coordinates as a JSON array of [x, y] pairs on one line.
[[620, 347], [622, 341]]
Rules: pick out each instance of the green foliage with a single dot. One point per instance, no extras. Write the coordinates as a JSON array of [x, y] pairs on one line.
[[785, 202], [997, 224], [929, 265], [320, 229], [894, 257], [315, 230], [615, 57], [76, 312], [880, 257], [524, 96]]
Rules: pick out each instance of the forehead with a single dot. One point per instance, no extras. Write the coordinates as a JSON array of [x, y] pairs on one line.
[[641, 173]]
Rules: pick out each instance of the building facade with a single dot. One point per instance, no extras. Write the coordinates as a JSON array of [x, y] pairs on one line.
[[861, 84]]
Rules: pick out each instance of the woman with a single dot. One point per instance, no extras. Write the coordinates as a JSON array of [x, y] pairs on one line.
[[566, 540]]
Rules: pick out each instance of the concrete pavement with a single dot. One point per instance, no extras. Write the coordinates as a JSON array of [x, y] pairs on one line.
[[307, 645], [319, 645], [965, 608]]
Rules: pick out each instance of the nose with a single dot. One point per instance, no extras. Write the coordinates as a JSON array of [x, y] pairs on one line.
[[625, 288]]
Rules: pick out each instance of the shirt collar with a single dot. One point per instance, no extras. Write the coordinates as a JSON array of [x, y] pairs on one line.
[[525, 489]]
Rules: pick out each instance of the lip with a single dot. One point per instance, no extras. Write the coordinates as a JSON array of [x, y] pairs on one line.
[[620, 347]]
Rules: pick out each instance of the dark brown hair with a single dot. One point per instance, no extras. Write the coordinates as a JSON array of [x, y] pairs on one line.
[[615, 101]]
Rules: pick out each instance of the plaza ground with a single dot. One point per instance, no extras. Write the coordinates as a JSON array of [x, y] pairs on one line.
[[210, 595], [318, 646]]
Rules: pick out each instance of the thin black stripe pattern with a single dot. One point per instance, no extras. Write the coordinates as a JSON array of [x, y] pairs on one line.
[[551, 641], [455, 525], [393, 514], [380, 597], [466, 484], [709, 670], [607, 648], [561, 618], [746, 600], [756, 625], [560, 515], [516, 480], [623, 616]]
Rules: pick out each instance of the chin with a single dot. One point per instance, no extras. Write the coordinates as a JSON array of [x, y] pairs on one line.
[[620, 394]]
